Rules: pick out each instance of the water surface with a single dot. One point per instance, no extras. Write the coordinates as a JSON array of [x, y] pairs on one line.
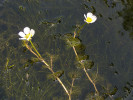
[[107, 42]]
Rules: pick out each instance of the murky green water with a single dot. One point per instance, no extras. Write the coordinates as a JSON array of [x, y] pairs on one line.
[[107, 42]]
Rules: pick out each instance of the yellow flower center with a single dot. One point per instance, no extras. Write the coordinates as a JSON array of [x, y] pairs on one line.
[[88, 19], [28, 36]]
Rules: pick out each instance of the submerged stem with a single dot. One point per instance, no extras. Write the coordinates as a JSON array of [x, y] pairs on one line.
[[86, 71], [69, 95], [64, 87], [75, 52], [90, 80], [48, 66], [73, 79]]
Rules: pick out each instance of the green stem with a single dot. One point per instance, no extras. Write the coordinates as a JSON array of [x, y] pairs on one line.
[[35, 49], [81, 28], [48, 66], [91, 80]]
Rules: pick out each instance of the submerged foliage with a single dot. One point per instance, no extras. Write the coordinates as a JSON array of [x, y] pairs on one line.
[[99, 48]]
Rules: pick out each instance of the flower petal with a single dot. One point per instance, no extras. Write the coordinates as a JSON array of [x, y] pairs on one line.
[[89, 14], [32, 32], [21, 34], [85, 16], [22, 39], [94, 18], [26, 30]]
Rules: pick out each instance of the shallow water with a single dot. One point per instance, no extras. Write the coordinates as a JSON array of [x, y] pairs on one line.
[[107, 42]]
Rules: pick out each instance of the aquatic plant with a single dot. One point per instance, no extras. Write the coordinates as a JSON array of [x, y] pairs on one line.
[[82, 59], [74, 42], [97, 42], [27, 36]]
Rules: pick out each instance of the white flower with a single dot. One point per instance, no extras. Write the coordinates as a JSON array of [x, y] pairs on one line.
[[90, 18], [26, 34]]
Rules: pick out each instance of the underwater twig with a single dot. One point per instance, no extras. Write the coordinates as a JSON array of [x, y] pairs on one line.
[[31, 50], [48, 66], [86, 71], [73, 79], [83, 65], [111, 97], [38, 56], [7, 78], [74, 34], [6, 68], [6, 65], [96, 75], [59, 80], [51, 61], [90, 80], [75, 51]]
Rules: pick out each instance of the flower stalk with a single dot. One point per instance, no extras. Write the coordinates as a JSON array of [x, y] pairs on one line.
[[28, 33], [81, 28], [91, 80], [86, 71], [37, 54], [89, 18], [35, 49]]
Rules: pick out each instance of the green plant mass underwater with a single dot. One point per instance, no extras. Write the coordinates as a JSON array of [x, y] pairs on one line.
[[66, 50]]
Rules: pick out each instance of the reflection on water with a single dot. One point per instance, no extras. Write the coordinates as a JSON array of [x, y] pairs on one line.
[[107, 44]]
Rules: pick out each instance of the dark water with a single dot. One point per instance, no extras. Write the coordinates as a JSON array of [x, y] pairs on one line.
[[107, 42]]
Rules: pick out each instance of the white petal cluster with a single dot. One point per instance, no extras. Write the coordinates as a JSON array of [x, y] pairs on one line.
[[90, 18], [27, 34]]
